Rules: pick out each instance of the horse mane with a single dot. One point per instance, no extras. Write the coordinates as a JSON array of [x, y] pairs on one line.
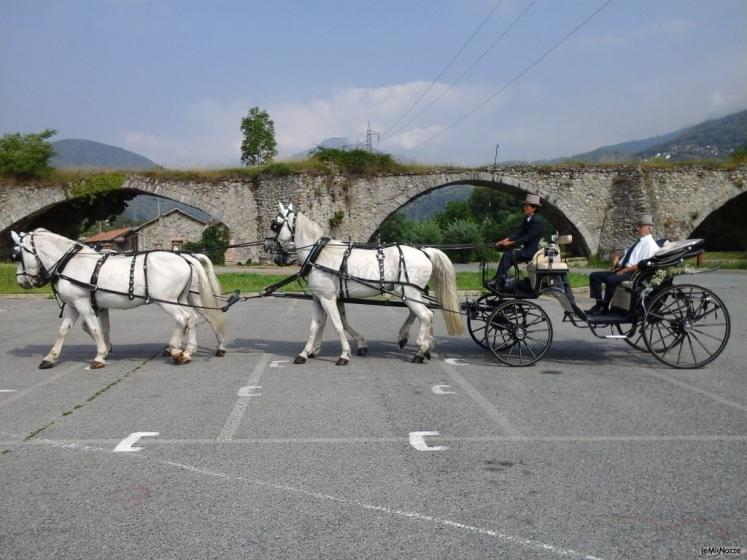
[[307, 229], [60, 240]]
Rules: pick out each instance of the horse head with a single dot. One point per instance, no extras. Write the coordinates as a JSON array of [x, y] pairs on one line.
[[280, 239], [30, 273]]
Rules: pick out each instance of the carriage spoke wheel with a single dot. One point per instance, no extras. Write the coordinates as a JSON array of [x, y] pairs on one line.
[[686, 326], [477, 317], [518, 333], [634, 332]]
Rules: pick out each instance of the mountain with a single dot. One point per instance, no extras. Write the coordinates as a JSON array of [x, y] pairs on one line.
[[713, 139], [335, 143], [87, 153]]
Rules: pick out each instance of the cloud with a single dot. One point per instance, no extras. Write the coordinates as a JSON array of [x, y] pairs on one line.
[[668, 28]]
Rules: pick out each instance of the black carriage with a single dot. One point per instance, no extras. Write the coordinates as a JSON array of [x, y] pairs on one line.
[[681, 325]]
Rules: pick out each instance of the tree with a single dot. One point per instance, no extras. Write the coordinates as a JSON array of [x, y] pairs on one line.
[[214, 242], [26, 156], [259, 144]]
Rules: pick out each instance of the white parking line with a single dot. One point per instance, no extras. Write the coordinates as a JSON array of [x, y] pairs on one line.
[[698, 390], [63, 372], [481, 401], [234, 419], [394, 512]]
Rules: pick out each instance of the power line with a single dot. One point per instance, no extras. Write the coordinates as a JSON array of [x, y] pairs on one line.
[[464, 46], [513, 80], [479, 58]]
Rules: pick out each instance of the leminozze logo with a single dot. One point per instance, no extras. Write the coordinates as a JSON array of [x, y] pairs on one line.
[[719, 550]]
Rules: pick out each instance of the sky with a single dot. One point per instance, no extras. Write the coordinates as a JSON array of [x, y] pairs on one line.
[[440, 81]]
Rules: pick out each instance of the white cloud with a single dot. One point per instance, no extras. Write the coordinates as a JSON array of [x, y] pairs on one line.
[[673, 27]]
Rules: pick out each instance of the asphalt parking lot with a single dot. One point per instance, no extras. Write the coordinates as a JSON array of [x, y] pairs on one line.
[[597, 451]]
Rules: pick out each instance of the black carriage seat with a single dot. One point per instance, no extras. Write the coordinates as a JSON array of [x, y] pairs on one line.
[[548, 261], [671, 253]]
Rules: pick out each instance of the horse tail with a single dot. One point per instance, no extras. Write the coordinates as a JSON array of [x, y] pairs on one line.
[[210, 270], [444, 278], [209, 289]]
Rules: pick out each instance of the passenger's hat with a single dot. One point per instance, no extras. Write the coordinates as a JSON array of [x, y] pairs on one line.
[[645, 220], [532, 199]]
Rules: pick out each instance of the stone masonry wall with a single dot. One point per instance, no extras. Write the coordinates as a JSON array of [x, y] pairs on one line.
[[597, 204]]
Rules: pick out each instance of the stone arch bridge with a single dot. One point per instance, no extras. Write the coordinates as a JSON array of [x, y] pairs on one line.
[[597, 204]]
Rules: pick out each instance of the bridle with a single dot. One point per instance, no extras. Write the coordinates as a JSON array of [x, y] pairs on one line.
[[17, 256], [284, 254]]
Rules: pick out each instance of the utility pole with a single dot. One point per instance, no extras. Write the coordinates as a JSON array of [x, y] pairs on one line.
[[369, 137]]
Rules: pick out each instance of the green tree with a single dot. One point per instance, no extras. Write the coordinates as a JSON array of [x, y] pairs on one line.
[[259, 144], [214, 242], [462, 232], [26, 156]]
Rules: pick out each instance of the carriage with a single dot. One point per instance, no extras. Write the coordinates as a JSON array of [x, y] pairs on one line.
[[682, 325]]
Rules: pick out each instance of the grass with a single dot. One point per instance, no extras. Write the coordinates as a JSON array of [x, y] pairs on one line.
[[253, 282]]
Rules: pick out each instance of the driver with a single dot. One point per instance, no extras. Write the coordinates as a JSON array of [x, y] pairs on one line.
[[523, 244]]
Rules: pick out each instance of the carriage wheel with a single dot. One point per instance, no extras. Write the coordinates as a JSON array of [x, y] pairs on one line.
[[634, 332], [686, 326], [477, 317], [518, 332]]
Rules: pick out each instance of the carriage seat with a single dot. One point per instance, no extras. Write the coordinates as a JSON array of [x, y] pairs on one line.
[[548, 259], [624, 294]]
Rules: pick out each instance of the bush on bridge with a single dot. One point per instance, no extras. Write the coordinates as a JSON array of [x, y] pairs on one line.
[[26, 156]]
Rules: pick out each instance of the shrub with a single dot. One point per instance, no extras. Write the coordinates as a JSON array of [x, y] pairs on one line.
[[26, 156], [356, 162]]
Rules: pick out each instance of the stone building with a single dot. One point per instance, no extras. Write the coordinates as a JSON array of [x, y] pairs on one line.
[[168, 231]]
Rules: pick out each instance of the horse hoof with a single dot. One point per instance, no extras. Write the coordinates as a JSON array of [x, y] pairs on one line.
[[96, 365], [363, 351], [341, 362], [427, 354], [220, 353], [418, 359], [46, 364], [166, 353], [180, 359], [299, 360], [403, 343]]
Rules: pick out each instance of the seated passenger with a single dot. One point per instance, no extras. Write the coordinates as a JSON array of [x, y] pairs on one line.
[[622, 269], [525, 241]]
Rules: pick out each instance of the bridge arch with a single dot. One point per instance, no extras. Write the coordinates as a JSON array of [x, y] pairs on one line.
[[558, 211]]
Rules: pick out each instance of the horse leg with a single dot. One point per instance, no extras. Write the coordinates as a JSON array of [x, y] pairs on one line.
[[329, 305], [191, 332], [105, 329], [94, 329], [404, 330], [359, 340], [317, 346], [69, 316], [314, 343], [182, 323], [423, 341]]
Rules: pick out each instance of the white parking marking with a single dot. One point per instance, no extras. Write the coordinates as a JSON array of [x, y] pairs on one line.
[[276, 363], [481, 401], [417, 440], [125, 446], [234, 419], [441, 390], [248, 391], [8, 390], [455, 362]]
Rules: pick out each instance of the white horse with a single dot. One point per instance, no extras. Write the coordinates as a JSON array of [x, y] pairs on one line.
[[123, 282], [402, 270]]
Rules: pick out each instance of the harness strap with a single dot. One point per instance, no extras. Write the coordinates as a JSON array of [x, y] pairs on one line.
[[95, 282], [380, 257], [310, 261], [60, 265], [145, 274], [131, 289], [344, 271]]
